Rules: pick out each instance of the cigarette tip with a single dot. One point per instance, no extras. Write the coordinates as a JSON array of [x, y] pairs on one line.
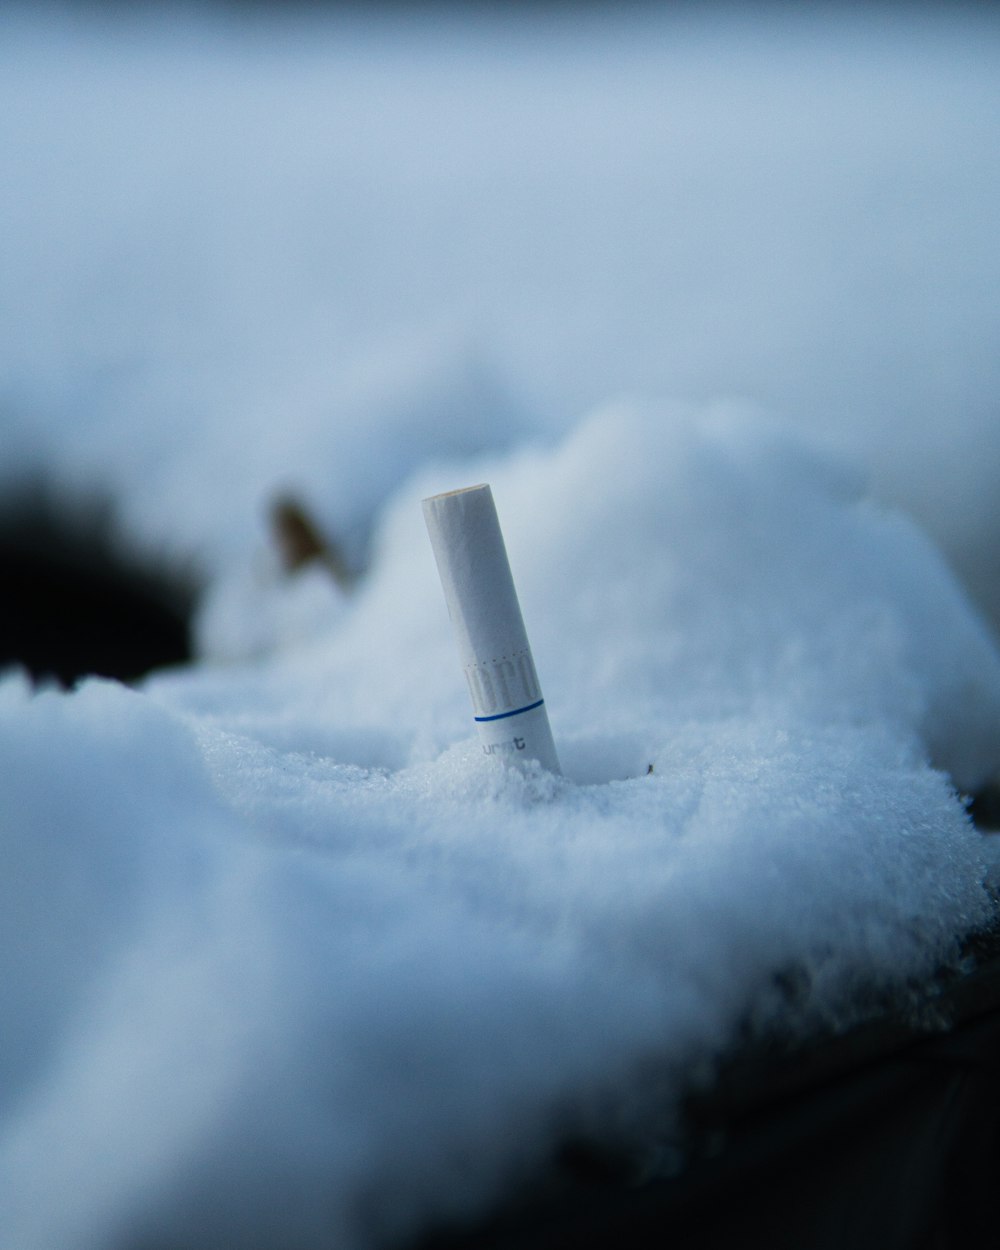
[[462, 490]]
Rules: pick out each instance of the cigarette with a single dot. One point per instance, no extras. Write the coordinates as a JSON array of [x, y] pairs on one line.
[[492, 643]]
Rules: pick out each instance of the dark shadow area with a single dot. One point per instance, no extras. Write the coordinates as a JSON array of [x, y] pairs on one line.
[[76, 604], [884, 1137]]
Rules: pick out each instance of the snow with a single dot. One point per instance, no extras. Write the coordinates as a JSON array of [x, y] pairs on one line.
[[285, 958], [278, 247]]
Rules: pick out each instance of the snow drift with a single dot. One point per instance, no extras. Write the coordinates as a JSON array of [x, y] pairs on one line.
[[289, 957], [284, 957]]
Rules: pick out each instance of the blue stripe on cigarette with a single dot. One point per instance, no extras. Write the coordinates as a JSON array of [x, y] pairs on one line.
[[516, 712]]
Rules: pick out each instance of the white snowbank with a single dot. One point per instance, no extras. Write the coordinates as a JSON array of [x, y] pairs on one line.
[[283, 956], [237, 257], [289, 958]]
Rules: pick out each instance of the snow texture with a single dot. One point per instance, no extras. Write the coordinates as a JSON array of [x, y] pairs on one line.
[[285, 959]]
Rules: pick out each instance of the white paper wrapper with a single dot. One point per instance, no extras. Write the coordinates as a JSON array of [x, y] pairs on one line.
[[493, 646]]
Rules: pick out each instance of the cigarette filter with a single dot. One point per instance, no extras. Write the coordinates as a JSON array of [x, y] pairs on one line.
[[493, 646]]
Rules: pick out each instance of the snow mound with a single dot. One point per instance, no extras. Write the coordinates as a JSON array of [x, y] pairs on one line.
[[289, 960]]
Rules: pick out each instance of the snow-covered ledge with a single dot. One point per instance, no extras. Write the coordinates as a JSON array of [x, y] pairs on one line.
[[280, 938]]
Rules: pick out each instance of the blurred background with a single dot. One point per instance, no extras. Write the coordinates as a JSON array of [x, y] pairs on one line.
[[259, 251]]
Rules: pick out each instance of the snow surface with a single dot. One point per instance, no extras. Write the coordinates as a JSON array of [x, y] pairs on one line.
[[285, 959], [301, 252]]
